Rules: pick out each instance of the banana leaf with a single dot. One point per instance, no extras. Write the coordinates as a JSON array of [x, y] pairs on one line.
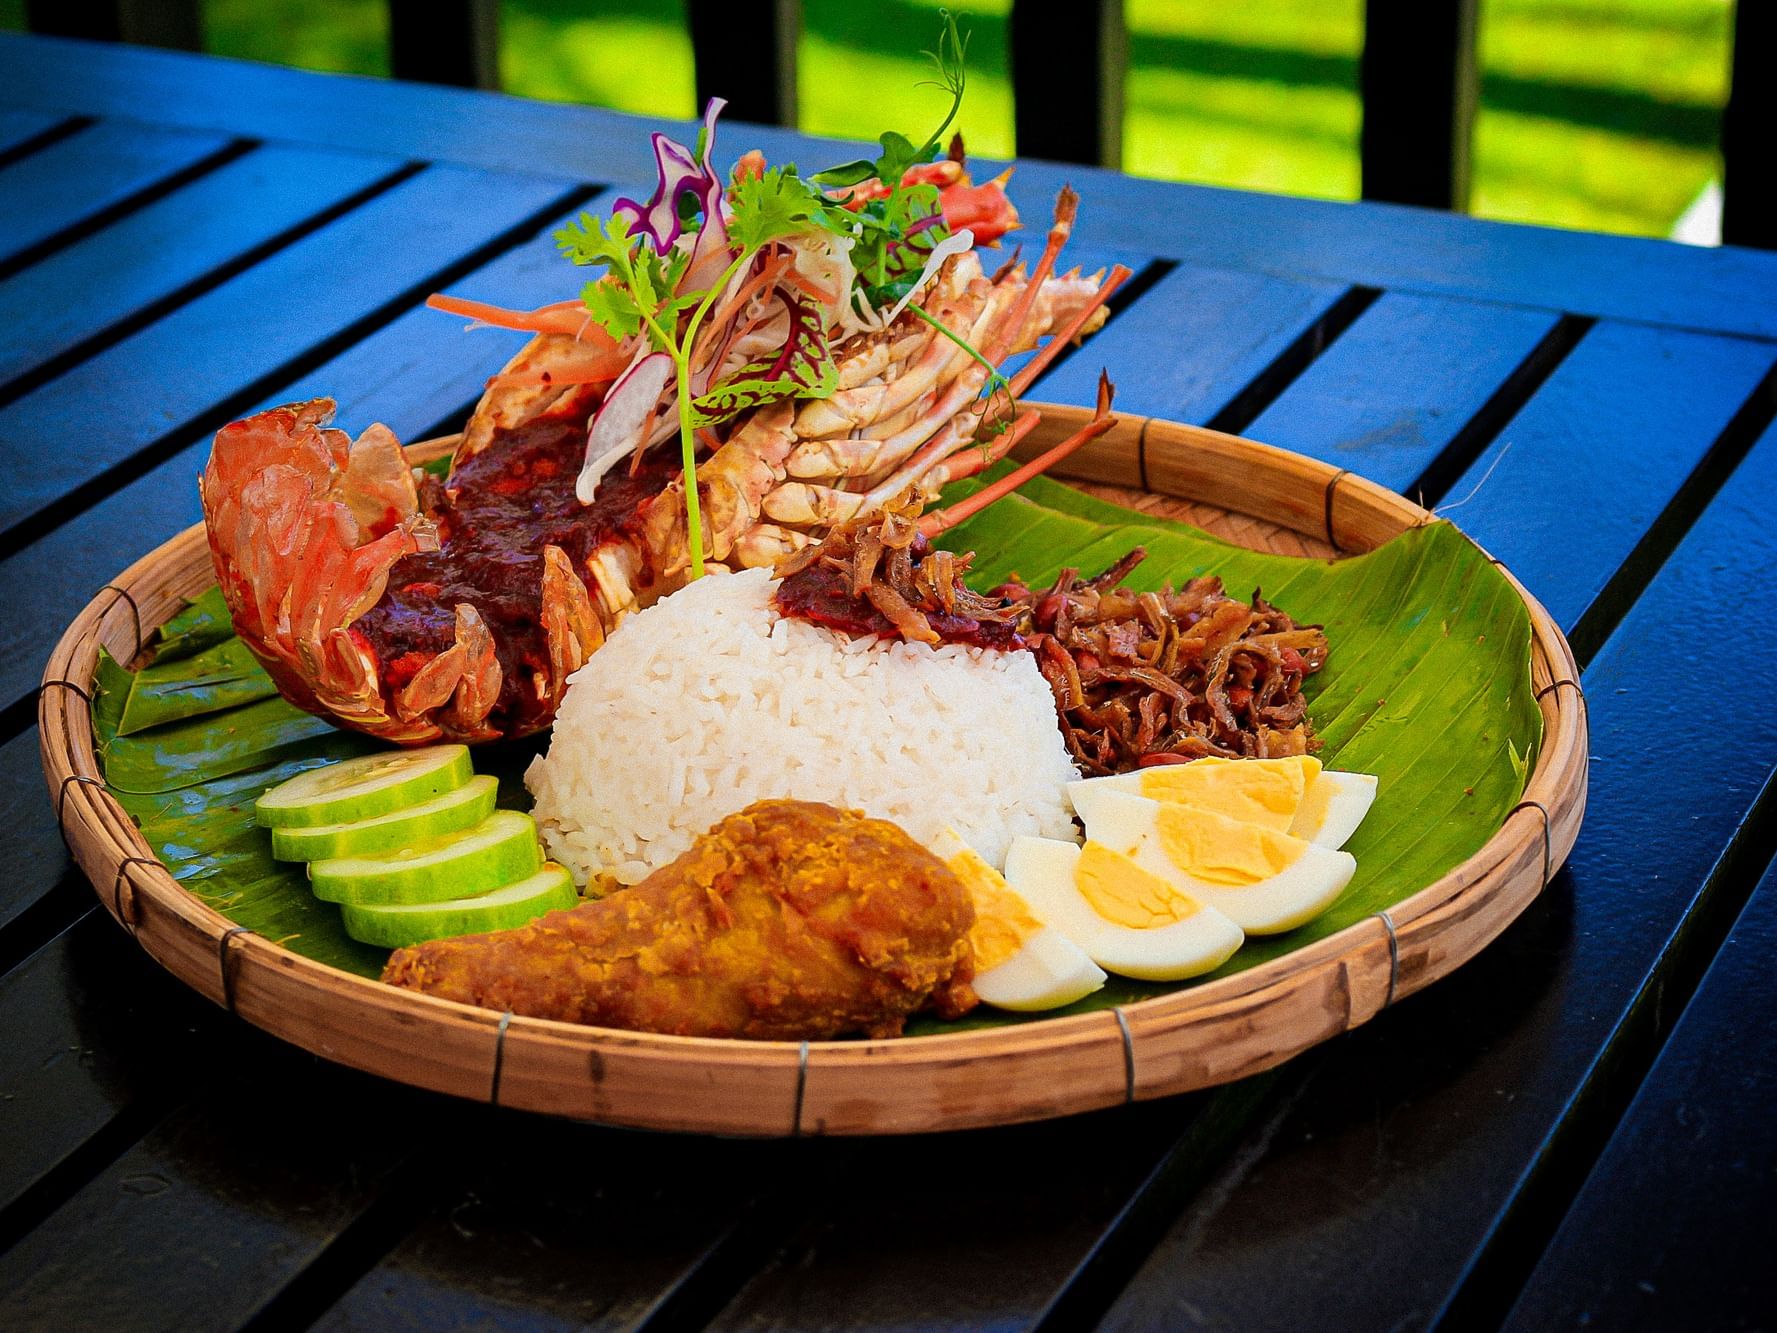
[[202, 623], [208, 681], [1427, 686]]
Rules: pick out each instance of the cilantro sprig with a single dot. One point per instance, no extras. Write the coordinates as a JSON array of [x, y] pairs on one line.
[[639, 293]]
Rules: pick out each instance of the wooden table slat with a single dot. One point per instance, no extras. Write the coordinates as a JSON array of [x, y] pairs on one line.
[[20, 127], [1401, 384], [202, 357], [93, 1035], [1576, 478], [567, 1226], [96, 168], [207, 1218], [1644, 1245], [36, 859], [1411, 1141], [154, 254]]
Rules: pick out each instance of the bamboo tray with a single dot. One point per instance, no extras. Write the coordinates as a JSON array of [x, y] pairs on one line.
[[1211, 1033]]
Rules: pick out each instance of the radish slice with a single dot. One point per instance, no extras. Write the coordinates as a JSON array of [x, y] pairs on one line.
[[957, 243], [622, 419]]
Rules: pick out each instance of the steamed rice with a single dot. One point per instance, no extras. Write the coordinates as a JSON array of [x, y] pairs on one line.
[[710, 700]]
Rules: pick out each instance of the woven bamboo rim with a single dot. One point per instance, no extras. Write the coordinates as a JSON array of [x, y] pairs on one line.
[[1211, 1033]]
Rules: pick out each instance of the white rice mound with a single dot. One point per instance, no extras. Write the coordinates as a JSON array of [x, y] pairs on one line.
[[709, 701]]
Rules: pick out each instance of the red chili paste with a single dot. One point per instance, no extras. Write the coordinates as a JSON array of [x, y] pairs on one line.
[[501, 508]]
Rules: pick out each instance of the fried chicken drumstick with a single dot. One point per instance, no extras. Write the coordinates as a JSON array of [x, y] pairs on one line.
[[789, 920]]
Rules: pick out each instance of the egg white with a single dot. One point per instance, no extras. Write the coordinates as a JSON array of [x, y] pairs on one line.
[[1041, 870], [1049, 969], [1335, 804], [1300, 892], [1048, 972]]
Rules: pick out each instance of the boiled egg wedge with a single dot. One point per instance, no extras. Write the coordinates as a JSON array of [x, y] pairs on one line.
[[1333, 806], [1127, 919], [1021, 963], [1293, 795], [1262, 880]]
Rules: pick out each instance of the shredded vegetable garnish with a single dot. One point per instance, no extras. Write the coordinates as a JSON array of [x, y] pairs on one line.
[[746, 287]]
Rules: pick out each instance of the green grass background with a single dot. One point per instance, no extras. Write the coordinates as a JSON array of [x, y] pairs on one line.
[[1595, 113]]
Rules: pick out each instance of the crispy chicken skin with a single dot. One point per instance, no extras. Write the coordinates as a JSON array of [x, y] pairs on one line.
[[788, 920]]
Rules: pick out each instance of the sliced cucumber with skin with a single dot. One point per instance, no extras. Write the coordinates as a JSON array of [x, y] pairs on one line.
[[364, 788], [515, 905], [497, 851], [452, 812]]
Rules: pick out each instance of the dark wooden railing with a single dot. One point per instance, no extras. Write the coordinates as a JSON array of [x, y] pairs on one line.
[[1418, 80]]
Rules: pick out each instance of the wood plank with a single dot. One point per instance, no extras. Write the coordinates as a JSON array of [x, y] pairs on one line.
[[1695, 1150], [1038, 1198], [1577, 478], [20, 127], [1194, 342], [203, 1221], [1408, 1146], [152, 255], [1401, 384], [1419, 84], [566, 1227], [91, 1028], [97, 168], [760, 38], [1377, 245], [1088, 57], [221, 352], [36, 858]]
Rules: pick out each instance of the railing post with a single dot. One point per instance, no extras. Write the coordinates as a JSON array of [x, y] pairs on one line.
[[456, 42], [745, 51], [1749, 130], [1419, 84], [1068, 62], [177, 24]]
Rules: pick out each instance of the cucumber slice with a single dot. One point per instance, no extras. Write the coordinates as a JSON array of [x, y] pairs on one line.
[[363, 788], [500, 849], [452, 812], [393, 927]]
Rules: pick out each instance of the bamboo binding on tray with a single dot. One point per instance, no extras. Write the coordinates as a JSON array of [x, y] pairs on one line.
[[1210, 1033]]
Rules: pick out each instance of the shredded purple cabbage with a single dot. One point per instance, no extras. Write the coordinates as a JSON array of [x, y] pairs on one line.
[[681, 173]]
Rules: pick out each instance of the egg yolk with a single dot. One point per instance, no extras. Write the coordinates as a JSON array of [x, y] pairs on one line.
[[1258, 791], [1315, 803], [1002, 920], [1124, 894], [1219, 850]]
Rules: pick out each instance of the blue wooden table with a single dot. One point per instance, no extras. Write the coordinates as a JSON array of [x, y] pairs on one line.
[[1575, 1128]]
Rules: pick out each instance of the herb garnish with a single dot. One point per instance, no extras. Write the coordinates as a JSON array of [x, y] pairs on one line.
[[673, 260]]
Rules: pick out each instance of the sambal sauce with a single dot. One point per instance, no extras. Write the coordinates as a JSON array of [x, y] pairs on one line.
[[821, 594], [501, 509]]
